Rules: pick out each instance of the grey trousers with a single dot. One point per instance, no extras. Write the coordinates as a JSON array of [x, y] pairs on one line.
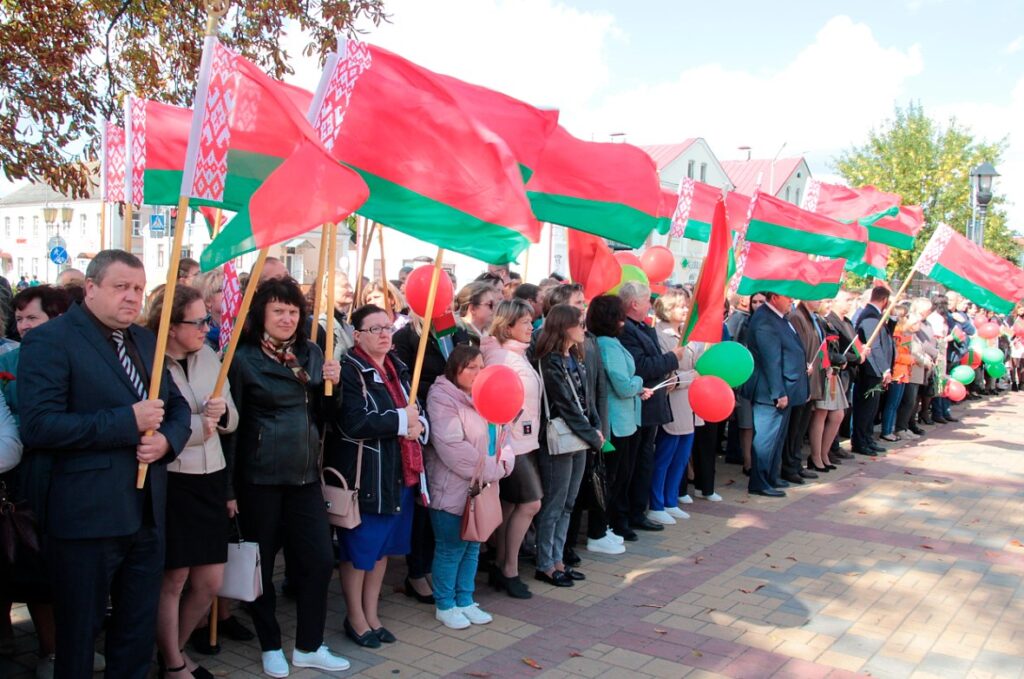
[[560, 477]]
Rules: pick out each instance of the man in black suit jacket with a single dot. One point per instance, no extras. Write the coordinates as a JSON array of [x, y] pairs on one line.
[[873, 375], [779, 383], [653, 365], [81, 384]]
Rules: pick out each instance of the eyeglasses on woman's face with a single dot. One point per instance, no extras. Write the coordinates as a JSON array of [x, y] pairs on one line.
[[203, 322], [378, 329], [490, 305]]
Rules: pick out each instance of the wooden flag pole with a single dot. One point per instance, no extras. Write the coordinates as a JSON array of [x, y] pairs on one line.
[[332, 267], [321, 273], [417, 370], [526, 265], [128, 227], [218, 218], [368, 228], [236, 327], [892, 305], [384, 276], [103, 225]]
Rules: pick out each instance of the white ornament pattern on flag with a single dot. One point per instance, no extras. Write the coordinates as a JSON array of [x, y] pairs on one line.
[[138, 169], [230, 304], [811, 196], [339, 91], [936, 245], [681, 215], [215, 134], [741, 247], [114, 164]]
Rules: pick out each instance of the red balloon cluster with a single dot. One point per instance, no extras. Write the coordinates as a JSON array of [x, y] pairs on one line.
[[498, 394], [988, 330], [971, 358], [658, 263], [955, 391], [417, 288], [711, 398]]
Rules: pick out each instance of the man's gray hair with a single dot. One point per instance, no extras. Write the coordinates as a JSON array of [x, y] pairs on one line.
[[97, 268], [632, 290]]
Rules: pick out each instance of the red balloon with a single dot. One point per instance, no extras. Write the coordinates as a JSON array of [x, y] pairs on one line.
[[971, 358], [711, 398], [988, 330], [658, 263], [498, 394], [955, 391], [417, 287], [626, 257]]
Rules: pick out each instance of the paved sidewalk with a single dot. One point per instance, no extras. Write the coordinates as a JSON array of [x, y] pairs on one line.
[[908, 565]]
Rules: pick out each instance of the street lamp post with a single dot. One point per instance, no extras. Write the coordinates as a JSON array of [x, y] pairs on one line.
[[981, 189]]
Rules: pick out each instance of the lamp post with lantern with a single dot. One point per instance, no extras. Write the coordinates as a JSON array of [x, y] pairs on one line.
[[981, 195]]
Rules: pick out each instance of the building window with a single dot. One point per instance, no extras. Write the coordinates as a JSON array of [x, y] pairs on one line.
[[136, 229], [35, 225], [689, 169], [21, 266], [703, 172], [21, 226], [35, 267], [787, 193], [85, 224], [798, 196], [160, 255], [7, 226]]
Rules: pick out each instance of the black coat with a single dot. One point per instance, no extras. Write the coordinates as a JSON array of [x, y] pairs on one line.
[[554, 369], [883, 353], [653, 365], [406, 343], [277, 441]]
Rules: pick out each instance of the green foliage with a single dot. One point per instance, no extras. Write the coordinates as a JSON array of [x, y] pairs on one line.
[[929, 165], [65, 64]]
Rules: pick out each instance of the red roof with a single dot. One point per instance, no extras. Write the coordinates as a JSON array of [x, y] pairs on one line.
[[744, 173], [663, 154]]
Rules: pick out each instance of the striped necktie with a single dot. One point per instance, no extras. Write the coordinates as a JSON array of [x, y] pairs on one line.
[[126, 363]]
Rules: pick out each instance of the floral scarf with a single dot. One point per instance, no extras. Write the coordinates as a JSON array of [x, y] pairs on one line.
[[412, 452], [282, 352]]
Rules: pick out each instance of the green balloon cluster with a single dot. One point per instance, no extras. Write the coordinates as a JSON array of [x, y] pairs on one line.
[[964, 374], [630, 273], [730, 361], [992, 355], [995, 370]]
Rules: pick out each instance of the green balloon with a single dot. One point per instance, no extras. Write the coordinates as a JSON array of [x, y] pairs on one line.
[[964, 374], [995, 370], [630, 273], [730, 361], [992, 355]]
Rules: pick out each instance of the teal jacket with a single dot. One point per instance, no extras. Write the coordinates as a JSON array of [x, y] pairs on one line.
[[624, 387]]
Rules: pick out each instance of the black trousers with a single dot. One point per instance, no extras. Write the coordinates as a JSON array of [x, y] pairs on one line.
[[420, 560], [85, 573], [597, 518], [865, 408], [619, 469], [293, 517], [640, 484], [799, 421], [908, 406], [705, 448]]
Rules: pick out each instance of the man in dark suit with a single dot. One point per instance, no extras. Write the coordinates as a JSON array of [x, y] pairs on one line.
[[874, 374], [778, 384], [804, 320], [82, 383], [652, 365]]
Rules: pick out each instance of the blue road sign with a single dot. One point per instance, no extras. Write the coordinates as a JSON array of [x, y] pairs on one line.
[[157, 226], [58, 255]]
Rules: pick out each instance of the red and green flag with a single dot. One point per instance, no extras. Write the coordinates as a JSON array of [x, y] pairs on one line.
[[113, 168], [592, 264], [868, 206], [787, 272], [900, 230], [609, 190], [985, 278], [707, 312], [245, 125], [694, 210], [826, 362], [435, 171], [857, 346], [874, 262], [778, 223], [666, 208]]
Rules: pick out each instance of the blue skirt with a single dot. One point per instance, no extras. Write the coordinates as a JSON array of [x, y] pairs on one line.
[[378, 535]]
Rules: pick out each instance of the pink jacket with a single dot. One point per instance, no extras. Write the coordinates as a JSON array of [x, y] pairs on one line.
[[458, 436], [513, 354]]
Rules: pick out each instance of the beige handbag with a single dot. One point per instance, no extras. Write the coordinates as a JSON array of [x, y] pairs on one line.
[[343, 502], [561, 439]]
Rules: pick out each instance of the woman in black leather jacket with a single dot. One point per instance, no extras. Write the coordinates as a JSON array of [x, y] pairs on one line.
[[277, 383], [559, 355]]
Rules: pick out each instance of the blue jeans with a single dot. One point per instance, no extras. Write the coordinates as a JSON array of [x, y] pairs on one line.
[[892, 405], [940, 407], [671, 453], [770, 424], [455, 562]]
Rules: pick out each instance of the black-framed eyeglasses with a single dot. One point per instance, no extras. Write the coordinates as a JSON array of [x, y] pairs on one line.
[[378, 329], [489, 305], [199, 323]]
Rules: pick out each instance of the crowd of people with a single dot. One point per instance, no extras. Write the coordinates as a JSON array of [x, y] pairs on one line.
[[606, 436]]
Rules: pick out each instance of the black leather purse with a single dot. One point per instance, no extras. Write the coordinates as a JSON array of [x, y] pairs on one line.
[[19, 529]]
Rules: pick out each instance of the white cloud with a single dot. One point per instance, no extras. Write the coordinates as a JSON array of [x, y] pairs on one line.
[[1015, 45]]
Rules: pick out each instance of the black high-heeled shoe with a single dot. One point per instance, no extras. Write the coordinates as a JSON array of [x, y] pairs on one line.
[[411, 592], [814, 467]]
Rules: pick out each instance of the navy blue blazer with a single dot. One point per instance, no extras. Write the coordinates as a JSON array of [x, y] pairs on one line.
[[883, 353], [780, 365], [653, 366], [76, 405]]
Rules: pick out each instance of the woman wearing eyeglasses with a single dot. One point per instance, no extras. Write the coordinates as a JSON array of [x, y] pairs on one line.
[[380, 444], [197, 509]]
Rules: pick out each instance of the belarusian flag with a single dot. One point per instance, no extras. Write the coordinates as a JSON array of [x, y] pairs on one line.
[[707, 312], [823, 356], [609, 190], [165, 129], [113, 170], [986, 279], [857, 346], [795, 274], [866, 204], [695, 209], [231, 303], [592, 264], [898, 231], [874, 262], [778, 223], [245, 124], [666, 208], [434, 171]]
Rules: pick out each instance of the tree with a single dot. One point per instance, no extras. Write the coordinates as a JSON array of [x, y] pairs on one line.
[[66, 64], [929, 165]]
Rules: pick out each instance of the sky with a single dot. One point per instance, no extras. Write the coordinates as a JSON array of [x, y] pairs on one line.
[[814, 76]]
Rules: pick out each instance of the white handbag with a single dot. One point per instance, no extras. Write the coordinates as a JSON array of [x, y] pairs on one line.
[[561, 439], [243, 577]]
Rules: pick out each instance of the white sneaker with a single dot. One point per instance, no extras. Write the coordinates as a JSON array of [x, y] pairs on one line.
[[714, 497], [685, 499], [320, 659], [617, 539], [605, 545], [475, 614], [99, 663], [661, 517], [275, 664], [676, 513], [453, 618]]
